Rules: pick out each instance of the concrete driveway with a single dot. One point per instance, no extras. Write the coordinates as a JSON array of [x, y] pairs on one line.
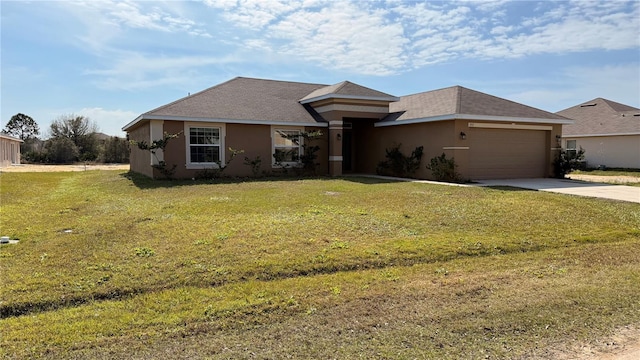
[[572, 187]]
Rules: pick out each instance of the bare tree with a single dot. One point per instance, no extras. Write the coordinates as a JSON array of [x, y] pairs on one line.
[[81, 131]]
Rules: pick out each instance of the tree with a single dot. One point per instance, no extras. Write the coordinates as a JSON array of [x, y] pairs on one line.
[[61, 150], [116, 150], [81, 131], [22, 126]]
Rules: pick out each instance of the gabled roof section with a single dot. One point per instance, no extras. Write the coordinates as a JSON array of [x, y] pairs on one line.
[[347, 90], [601, 117], [240, 100], [458, 102]]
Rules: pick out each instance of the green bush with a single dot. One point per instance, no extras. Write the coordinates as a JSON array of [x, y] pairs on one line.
[[398, 164], [568, 161], [444, 169]]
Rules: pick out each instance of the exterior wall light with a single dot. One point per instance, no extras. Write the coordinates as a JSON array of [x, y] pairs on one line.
[[463, 135], [339, 137]]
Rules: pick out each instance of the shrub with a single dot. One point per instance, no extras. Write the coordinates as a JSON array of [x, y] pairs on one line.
[[443, 169], [255, 164], [398, 164], [214, 173], [568, 161]]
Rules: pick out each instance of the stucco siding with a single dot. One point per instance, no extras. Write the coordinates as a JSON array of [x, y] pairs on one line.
[[254, 140], [610, 151], [434, 137], [140, 160]]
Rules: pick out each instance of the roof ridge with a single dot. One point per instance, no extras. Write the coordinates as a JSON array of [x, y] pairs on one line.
[[610, 104], [342, 84], [458, 98]]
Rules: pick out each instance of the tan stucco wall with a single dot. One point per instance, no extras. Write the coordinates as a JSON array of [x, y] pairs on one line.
[[140, 160], [254, 140], [610, 151], [371, 143], [437, 138]]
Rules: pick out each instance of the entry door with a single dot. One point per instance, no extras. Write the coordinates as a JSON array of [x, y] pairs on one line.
[[347, 150]]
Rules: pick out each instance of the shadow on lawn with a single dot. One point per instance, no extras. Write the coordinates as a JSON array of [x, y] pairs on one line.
[[144, 182], [507, 188]]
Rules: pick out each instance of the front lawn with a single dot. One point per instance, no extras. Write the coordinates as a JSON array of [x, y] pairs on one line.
[[111, 265]]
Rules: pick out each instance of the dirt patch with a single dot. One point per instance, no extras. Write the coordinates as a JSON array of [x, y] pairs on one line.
[[624, 344], [621, 179], [58, 168]]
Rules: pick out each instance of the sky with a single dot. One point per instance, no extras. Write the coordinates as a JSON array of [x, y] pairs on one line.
[[114, 60]]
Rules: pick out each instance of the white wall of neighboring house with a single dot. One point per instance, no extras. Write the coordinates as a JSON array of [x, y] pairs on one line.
[[610, 151], [9, 151]]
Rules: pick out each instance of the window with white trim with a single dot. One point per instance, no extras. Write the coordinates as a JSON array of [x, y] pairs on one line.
[[204, 145], [287, 146], [572, 148]]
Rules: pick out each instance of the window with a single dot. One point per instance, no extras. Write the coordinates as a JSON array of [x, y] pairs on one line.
[[287, 146], [204, 145], [572, 149]]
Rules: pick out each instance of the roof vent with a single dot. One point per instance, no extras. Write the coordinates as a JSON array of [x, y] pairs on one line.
[[588, 105], [636, 114]]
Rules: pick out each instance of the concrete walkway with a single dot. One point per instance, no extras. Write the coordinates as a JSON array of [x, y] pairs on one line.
[[572, 187], [561, 186]]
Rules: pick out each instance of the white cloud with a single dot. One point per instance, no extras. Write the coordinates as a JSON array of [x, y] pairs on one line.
[[366, 38]]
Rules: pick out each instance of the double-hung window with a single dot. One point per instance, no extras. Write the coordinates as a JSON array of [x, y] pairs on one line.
[[204, 146], [287, 146], [572, 149]]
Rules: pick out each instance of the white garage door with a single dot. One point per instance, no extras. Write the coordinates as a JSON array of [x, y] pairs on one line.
[[507, 153]]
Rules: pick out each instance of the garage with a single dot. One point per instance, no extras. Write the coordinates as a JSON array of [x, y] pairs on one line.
[[507, 151]]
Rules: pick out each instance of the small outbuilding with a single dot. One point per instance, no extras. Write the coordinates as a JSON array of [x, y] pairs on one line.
[[9, 150]]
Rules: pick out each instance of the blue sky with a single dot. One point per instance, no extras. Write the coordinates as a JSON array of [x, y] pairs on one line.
[[113, 60]]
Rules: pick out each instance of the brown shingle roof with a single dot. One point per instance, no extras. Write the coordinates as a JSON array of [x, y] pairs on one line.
[[244, 99], [601, 116], [458, 100], [347, 89]]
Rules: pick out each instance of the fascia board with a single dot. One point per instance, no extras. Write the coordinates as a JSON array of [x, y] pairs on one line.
[[599, 135], [220, 120], [475, 118]]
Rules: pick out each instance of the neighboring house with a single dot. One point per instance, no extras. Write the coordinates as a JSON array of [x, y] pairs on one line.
[[609, 133], [489, 137], [9, 150]]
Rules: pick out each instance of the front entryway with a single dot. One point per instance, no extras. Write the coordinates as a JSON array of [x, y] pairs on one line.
[[347, 149]]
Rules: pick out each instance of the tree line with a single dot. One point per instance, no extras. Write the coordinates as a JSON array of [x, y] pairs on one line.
[[72, 139]]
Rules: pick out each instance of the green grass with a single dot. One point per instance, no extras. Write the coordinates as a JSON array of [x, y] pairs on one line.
[[111, 265]]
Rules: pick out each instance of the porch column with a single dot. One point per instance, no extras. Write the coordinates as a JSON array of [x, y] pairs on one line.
[[156, 132], [335, 147]]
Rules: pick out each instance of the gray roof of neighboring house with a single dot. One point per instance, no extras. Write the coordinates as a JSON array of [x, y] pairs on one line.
[[457, 100], [600, 117], [347, 90], [242, 99]]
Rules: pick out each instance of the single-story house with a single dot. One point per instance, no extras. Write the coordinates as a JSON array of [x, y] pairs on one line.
[[9, 150], [489, 137], [608, 131]]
